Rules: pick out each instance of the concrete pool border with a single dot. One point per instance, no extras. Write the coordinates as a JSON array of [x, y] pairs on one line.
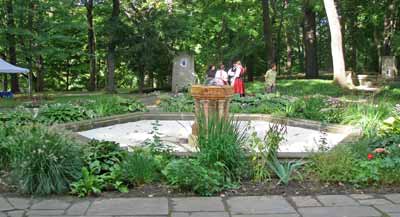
[[352, 132]]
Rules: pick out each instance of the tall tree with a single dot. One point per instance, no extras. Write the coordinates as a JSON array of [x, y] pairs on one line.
[[12, 52], [112, 44], [339, 69], [268, 38], [310, 40], [91, 45], [389, 26]]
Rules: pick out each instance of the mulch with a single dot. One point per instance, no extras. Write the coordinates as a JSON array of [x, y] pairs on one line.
[[250, 188]]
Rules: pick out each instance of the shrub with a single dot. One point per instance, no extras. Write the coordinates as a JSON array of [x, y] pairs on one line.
[[101, 156], [105, 106], [222, 141], [43, 162], [20, 116], [191, 175], [6, 131], [265, 150], [139, 167], [102, 170], [88, 184], [179, 103], [63, 113], [337, 165]]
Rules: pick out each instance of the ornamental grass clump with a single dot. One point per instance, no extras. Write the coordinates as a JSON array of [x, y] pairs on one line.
[[222, 141], [43, 161]]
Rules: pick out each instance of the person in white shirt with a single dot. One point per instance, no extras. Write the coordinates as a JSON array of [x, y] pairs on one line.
[[222, 75]]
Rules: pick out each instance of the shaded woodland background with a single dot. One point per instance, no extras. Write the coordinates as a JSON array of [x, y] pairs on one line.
[[110, 44]]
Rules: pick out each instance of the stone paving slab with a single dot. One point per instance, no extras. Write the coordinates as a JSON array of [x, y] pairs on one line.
[[4, 205], [394, 208], [198, 204], [260, 205], [253, 206], [49, 212], [362, 196], [129, 206], [337, 200], [19, 203], [51, 204], [393, 197], [18, 213], [349, 211], [78, 208], [305, 201], [269, 215], [375, 202], [201, 214]]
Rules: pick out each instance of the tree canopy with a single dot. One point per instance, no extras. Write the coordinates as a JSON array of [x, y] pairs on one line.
[[91, 44]]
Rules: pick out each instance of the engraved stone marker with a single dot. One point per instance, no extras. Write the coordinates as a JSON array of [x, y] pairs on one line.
[[389, 68], [183, 74]]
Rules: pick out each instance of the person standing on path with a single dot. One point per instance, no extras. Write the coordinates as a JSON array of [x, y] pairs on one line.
[[270, 79], [238, 85]]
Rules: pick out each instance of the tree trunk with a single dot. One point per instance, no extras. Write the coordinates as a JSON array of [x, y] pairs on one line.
[[40, 75], [112, 46], [141, 77], [339, 69], [389, 27], [289, 50], [12, 45], [310, 41], [269, 46], [5, 82], [91, 45]]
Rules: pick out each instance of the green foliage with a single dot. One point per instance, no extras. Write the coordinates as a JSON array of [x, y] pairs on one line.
[[265, 150], [179, 103], [42, 161], [6, 132], [222, 141], [284, 170], [106, 106], [89, 184], [342, 170], [391, 126], [140, 167], [368, 117], [63, 113], [101, 156], [101, 170], [192, 175]]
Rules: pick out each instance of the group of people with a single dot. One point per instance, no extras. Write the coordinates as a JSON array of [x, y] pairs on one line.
[[233, 77]]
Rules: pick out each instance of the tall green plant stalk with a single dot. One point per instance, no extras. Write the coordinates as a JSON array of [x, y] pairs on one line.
[[222, 140]]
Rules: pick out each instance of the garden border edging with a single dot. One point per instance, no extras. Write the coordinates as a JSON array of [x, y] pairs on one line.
[[353, 133]]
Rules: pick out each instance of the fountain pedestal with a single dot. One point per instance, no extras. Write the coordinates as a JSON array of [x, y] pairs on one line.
[[210, 100]]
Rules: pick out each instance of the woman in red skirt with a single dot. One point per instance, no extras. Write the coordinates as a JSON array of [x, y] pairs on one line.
[[238, 85]]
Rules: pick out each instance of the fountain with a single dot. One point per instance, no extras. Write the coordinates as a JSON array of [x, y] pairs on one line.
[[211, 100]]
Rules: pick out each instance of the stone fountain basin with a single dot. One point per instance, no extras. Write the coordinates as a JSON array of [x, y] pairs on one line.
[[132, 130]]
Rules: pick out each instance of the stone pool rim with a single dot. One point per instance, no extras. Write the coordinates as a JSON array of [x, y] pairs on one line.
[[353, 133]]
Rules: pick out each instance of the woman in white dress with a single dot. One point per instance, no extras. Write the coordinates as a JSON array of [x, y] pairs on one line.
[[222, 75]]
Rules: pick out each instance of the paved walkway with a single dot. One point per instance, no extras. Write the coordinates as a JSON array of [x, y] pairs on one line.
[[359, 205]]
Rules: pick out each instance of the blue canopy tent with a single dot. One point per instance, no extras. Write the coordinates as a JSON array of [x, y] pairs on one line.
[[7, 68]]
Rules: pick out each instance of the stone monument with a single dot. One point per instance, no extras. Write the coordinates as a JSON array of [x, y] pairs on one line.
[[183, 74], [211, 100], [389, 68]]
